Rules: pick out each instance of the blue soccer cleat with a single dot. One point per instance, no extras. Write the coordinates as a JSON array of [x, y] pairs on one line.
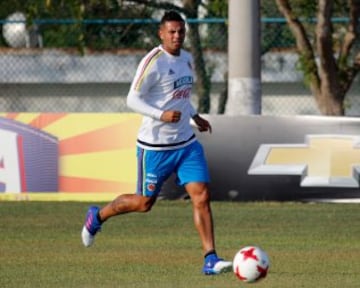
[[91, 227], [214, 265]]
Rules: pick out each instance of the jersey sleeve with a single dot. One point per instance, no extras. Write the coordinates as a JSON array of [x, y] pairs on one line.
[[145, 76], [136, 102]]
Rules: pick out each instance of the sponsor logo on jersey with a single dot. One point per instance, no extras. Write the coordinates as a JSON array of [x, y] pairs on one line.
[[182, 94], [186, 80]]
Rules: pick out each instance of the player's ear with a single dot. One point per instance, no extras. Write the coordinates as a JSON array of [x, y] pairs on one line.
[[160, 34]]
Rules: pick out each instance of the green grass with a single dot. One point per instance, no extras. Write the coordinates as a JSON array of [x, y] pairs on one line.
[[309, 245]]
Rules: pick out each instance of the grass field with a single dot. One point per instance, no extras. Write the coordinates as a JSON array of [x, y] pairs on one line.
[[309, 245]]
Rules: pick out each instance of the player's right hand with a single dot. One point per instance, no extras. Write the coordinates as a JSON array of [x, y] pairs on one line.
[[171, 116]]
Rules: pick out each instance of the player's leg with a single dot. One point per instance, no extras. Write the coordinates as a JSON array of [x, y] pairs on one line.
[[151, 175], [204, 224], [122, 204], [126, 203], [193, 174], [202, 215]]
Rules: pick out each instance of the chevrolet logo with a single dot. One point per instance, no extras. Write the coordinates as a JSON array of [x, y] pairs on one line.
[[323, 161]]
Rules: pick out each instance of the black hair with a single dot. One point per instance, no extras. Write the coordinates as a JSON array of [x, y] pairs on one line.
[[171, 16]]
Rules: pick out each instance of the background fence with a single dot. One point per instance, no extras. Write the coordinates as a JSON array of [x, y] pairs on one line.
[[87, 66]]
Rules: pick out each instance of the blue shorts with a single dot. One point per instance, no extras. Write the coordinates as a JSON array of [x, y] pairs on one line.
[[155, 167]]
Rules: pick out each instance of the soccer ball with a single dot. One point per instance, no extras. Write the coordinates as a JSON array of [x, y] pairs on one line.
[[251, 264]]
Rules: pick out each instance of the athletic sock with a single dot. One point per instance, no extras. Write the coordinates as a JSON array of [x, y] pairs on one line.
[[211, 253], [99, 218]]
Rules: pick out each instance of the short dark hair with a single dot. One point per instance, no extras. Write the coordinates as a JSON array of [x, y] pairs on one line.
[[171, 16]]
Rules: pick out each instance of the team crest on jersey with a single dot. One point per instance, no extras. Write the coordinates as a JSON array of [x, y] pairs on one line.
[[151, 187], [183, 81]]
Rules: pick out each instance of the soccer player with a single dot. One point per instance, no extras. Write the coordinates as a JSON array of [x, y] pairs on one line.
[[166, 143]]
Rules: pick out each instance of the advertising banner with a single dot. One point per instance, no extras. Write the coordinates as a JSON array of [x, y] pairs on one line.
[[92, 157], [67, 156], [282, 158]]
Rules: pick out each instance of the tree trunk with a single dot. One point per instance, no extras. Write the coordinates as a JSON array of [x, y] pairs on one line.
[[330, 80], [223, 99], [331, 99], [330, 104], [203, 84]]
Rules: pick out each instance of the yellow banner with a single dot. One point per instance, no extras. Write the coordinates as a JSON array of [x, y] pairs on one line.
[[96, 155]]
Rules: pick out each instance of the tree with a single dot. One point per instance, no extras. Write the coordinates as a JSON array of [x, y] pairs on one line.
[[329, 56], [274, 34], [85, 25], [102, 37]]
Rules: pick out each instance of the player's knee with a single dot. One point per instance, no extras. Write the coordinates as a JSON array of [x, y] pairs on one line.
[[202, 197], [146, 204], [144, 208]]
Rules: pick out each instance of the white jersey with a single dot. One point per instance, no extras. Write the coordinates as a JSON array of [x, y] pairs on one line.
[[163, 82]]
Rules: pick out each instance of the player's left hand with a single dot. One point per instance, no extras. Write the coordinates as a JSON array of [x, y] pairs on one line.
[[202, 124]]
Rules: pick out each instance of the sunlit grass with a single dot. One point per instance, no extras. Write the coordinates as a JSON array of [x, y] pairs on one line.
[[309, 245]]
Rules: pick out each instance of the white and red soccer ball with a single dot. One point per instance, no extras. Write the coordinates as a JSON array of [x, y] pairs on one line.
[[251, 264]]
